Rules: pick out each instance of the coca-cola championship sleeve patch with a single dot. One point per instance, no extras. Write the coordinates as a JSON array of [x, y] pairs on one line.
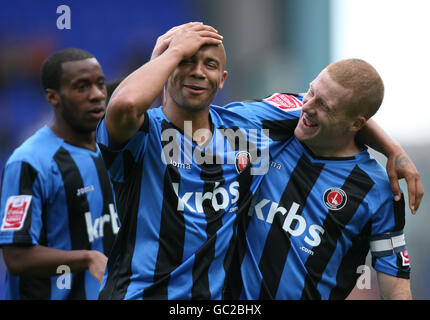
[[15, 212]]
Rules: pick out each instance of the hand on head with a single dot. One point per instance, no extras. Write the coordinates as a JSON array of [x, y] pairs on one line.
[[187, 38]]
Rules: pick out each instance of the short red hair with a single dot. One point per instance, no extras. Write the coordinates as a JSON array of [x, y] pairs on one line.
[[365, 82]]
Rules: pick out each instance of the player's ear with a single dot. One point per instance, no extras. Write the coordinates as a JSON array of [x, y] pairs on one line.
[[53, 97], [223, 77], [359, 123]]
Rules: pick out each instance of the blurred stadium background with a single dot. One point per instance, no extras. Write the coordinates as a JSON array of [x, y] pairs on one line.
[[272, 46]]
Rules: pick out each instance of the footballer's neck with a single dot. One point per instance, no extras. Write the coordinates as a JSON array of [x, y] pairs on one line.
[[78, 138], [349, 149], [194, 123]]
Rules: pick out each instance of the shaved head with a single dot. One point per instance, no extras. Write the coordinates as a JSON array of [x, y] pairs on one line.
[[364, 80], [221, 54]]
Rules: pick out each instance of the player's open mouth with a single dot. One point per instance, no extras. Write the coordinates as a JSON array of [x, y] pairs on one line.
[[195, 89], [307, 123]]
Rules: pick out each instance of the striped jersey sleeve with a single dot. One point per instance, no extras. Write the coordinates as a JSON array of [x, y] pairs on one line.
[[120, 160], [21, 204], [387, 240], [277, 113], [278, 106]]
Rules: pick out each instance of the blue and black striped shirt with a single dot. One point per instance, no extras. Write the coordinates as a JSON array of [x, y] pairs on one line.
[[311, 225], [57, 195], [178, 201]]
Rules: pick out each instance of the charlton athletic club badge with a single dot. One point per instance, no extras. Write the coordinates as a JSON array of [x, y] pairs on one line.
[[335, 198], [243, 159]]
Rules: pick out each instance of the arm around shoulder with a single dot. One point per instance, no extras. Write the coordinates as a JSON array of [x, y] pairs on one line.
[[399, 164]]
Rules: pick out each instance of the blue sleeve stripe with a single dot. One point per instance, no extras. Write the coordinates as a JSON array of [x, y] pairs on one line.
[[27, 178]]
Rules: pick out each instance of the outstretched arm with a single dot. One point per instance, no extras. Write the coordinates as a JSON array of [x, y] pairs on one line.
[[399, 165], [135, 94]]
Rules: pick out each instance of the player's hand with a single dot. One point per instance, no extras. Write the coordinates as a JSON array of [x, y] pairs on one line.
[[97, 264], [187, 39], [163, 42], [399, 166]]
